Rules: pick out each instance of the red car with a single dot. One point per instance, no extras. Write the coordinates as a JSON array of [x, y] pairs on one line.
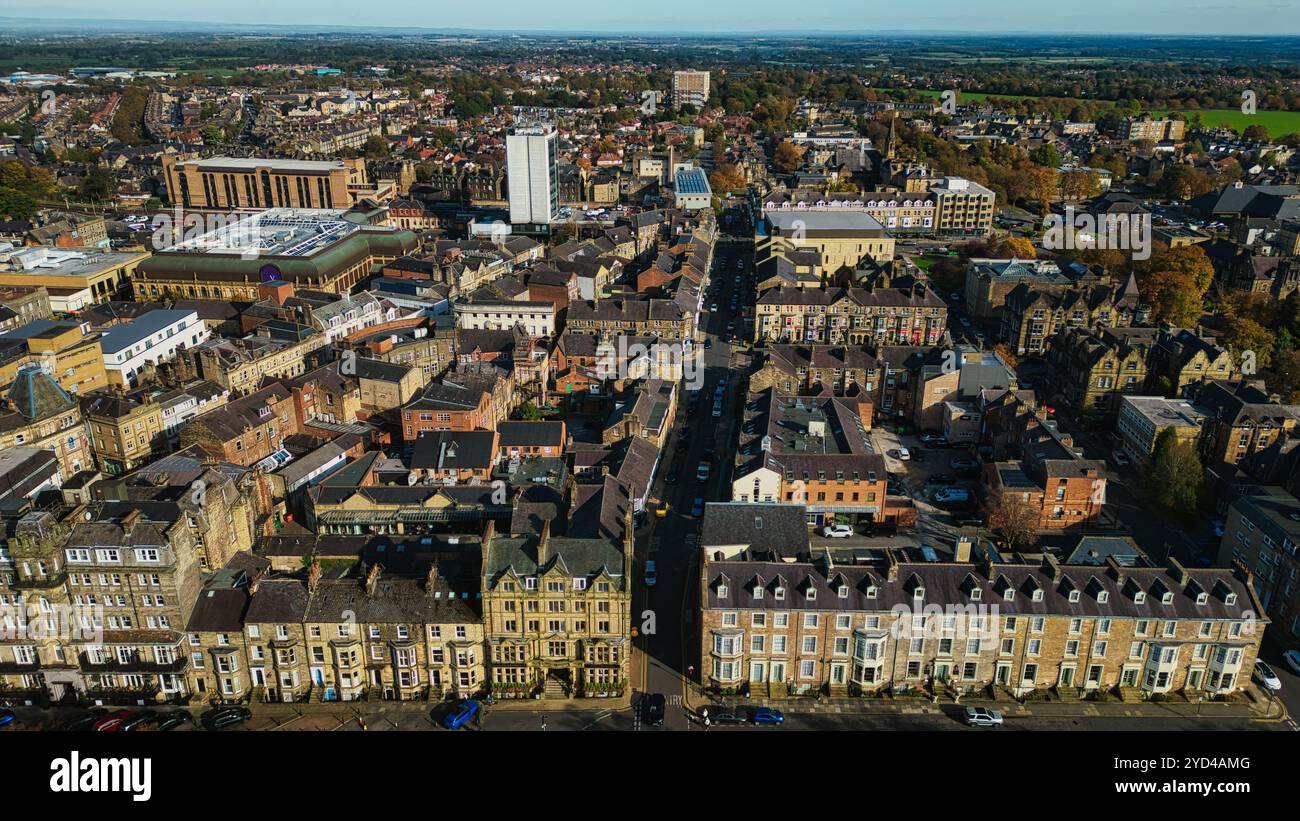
[[112, 721]]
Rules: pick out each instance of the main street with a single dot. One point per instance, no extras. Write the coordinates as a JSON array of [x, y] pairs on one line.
[[663, 656]]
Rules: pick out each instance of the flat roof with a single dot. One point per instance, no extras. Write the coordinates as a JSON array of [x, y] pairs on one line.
[[813, 221], [120, 337], [277, 232], [692, 181], [248, 164]]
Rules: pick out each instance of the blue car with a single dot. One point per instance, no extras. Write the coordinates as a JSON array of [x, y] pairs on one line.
[[767, 715], [697, 506], [461, 714]]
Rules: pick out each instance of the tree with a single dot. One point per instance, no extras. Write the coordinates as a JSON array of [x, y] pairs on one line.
[[1042, 185], [1018, 247], [1173, 476], [726, 177], [1256, 133], [1285, 379], [528, 412], [786, 157], [1012, 518], [1174, 298], [376, 148]]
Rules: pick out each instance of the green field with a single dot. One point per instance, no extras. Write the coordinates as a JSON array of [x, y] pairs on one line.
[[1277, 122]]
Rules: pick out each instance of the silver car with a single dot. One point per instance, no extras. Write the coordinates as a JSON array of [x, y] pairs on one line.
[[981, 717]]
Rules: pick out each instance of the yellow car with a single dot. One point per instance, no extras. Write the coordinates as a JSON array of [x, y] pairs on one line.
[[661, 510]]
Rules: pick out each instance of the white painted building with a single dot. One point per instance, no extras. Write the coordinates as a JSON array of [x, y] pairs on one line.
[[149, 339]]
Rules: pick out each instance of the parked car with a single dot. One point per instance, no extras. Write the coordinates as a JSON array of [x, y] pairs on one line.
[[173, 720], [717, 408], [1292, 659], [982, 717], [461, 714], [902, 454], [840, 531], [767, 716], [713, 309], [653, 709], [8, 717], [1265, 676], [964, 463], [697, 506], [112, 721], [702, 472], [143, 720], [708, 343], [718, 714], [950, 494], [85, 721], [221, 718], [941, 479], [934, 440], [651, 574], [1121, 459]]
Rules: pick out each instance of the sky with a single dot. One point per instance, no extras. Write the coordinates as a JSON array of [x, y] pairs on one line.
[[1231, 17]]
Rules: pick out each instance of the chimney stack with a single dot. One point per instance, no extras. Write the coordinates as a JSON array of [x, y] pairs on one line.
[[313, 576], [1177, 570], [1114, 570], [891, 565], [372, 579], [1051, 567], [429, 578], [544, 544]]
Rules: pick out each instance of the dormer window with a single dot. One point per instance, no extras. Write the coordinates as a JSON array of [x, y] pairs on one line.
[[722, 591], [918, 593], [871, 591], [779, 593], [1230, 599], [1103, 596], [1037, 595], [1008, 594], [1202, 598], [758, 592], [1074, 595], [1139, 597], [1167, 598], [976, 594], [844, 591], [811, 594]]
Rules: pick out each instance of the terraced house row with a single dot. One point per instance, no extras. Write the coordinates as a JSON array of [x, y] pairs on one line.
[[777, 623]]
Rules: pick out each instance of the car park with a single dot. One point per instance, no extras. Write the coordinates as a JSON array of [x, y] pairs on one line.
[[1266, 677], [222, 718], [768, 716], [837, 531], [983, 717]]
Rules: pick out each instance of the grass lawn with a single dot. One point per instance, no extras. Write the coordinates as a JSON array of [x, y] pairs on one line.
[[1277, 122]]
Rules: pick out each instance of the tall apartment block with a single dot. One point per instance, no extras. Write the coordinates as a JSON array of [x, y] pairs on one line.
[[532, 176], [690, 88]]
